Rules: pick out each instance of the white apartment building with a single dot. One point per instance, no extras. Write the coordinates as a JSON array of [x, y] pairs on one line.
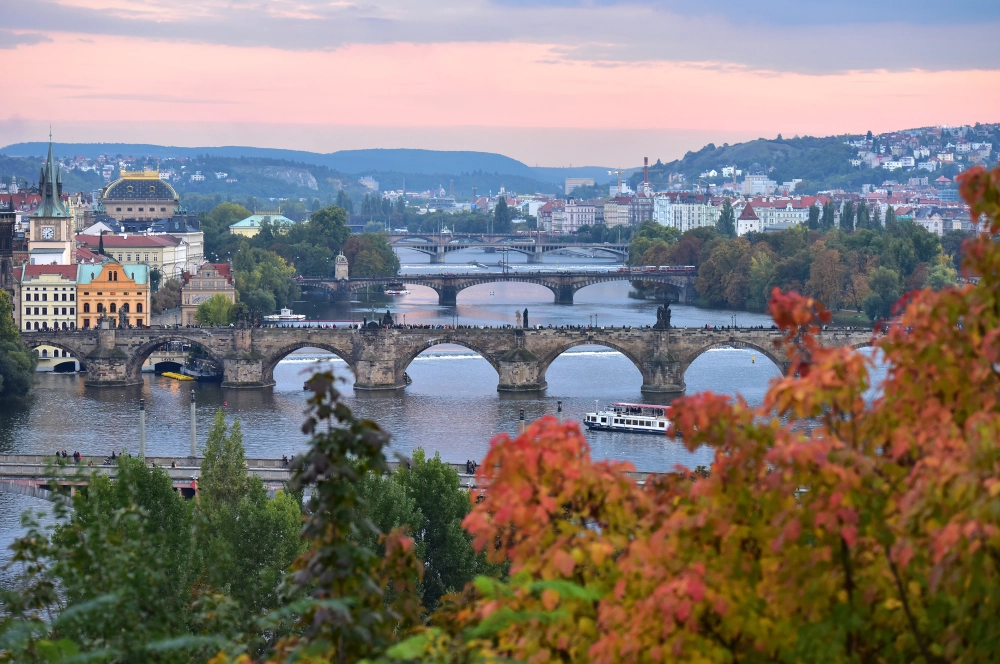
[[616, 212], [570, 217], [46, 297], [684, 213]]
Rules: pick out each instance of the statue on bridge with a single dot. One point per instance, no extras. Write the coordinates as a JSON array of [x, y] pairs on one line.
[[122, 318], [662, 318], [387, 320], [526, 317], [517, 317]]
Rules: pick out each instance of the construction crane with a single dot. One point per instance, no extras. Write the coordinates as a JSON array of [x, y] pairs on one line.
[[620, 172]]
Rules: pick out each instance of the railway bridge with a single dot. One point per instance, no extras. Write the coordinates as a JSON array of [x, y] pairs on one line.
[[534, 247], [563, 285], [379, 357]]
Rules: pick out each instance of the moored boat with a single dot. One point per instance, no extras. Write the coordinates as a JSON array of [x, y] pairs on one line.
[[630, 417], [284, 316]]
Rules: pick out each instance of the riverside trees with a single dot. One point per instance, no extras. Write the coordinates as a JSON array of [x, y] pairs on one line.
[[17, 363]]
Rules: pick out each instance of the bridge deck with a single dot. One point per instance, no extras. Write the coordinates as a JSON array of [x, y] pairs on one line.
[[32, 471]]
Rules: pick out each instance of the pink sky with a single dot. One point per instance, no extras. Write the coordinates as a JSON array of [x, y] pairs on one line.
[[540, 102]]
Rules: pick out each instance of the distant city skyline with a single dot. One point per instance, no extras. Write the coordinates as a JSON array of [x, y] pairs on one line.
[[549, 83]]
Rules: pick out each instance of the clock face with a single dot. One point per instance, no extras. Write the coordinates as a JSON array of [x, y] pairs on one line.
[[48, 233]]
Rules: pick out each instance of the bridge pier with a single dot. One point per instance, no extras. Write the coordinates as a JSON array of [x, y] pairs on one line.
[[107, 365], [663, 377], [535, 257], [437, 258], [447, 296], [564, 294], [521, 371]]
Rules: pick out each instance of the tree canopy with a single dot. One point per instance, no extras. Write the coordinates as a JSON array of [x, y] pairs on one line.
[[17, 363]]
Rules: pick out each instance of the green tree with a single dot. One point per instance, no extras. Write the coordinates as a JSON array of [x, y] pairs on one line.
[[344, 202], [813, 217], [762, 279], [847, 217], [259, 303], [941, 276], [501, 216], [829, 216], [370, 255], [168, 297], [726, 225], [255, 268], [155, 279], [884, 285], [216, 310], [890, 219], [17, 363], [875, 222], [445, 548], [223, 473], [219, 242], [862, 220]]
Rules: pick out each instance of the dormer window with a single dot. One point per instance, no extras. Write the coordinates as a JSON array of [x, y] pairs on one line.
[[129, 189]]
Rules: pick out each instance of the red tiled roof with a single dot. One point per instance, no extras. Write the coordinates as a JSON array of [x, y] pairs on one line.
[[119, 242], [33, 271], [84, 255], [748, 213]]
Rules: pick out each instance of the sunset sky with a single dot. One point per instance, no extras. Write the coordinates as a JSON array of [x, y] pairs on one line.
[[550, 83]]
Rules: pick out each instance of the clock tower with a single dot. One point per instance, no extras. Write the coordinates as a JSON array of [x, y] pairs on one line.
[[51, 238]]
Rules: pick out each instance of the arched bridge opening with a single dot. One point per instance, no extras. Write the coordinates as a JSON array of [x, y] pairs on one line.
[[34, 343], [133, 369], [454, 361], [577, 368], [309, 361]]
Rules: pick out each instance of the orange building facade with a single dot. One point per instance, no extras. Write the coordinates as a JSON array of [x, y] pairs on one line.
[[118, 292]]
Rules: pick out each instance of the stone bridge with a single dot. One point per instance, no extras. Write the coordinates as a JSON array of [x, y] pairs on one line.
[[562, 284], [379, 357], [533, 247]]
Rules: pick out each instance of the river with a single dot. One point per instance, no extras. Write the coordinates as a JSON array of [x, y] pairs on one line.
[[451, 407]]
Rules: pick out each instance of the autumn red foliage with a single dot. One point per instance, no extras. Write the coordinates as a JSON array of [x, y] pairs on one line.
[[838, 522]]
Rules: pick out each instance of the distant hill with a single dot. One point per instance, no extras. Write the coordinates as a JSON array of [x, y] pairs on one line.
[[822, 163], [354, 162]]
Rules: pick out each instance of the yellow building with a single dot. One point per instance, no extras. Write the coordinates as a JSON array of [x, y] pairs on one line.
[[118, 292], [199, 286], [250, 226]]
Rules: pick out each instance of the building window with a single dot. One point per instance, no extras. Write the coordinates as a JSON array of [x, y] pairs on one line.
[[86, 322], [45, 297], [123, 308], [72, 311], [36, 326], [163, 209], [118, 209], [45, 311], [138, 308], [145, 258], [100, 307], [27, 326], [129, 210], [72, 297], [72, 325], [128, 257], [113, 307], [86, 307], [141, 210], [119, 257], [45, 352]]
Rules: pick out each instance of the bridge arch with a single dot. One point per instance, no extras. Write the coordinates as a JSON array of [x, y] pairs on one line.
[[270, 362], [437, 341], [778, 359], [133, 368], [604, 343], [35, 341]]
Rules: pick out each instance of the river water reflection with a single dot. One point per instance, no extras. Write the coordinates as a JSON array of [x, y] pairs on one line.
[[452, 406]]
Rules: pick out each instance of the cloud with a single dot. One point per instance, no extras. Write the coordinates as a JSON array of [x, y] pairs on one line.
[[11, 39], [805, 36], [159, 99]]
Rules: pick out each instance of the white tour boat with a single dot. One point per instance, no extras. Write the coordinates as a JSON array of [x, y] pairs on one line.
[[285, 316], [631, 417], [396, 291]]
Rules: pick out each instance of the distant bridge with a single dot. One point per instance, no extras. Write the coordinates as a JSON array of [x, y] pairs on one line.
[[378, 358], [562, 284], [533, 246]]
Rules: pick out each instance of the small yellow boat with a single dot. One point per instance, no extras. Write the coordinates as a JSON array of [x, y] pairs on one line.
[[176, 376]]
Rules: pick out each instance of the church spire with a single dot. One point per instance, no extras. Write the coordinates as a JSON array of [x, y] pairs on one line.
[[50, 180]]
